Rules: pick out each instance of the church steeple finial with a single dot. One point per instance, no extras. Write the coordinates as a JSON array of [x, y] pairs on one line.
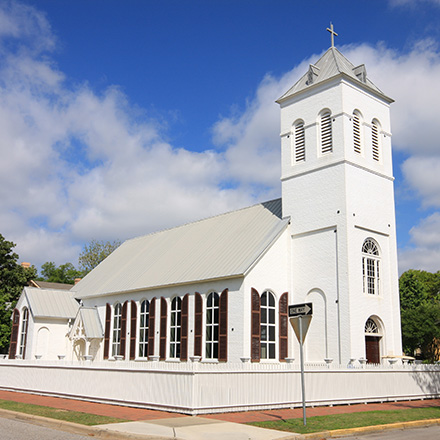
[[333, 34]]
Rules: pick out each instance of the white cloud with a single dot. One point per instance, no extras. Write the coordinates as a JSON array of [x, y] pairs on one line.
[[412, 3], [425, 254], [82, 165]]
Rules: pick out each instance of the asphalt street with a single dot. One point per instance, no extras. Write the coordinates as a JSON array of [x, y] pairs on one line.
[[12, 429], [426, 433]]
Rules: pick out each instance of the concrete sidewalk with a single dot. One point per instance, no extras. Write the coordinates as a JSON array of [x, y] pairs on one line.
[[144, 423]]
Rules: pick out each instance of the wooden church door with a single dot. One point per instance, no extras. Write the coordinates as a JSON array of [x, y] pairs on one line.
[[372, 349]]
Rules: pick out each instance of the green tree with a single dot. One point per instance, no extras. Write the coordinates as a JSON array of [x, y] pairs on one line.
[[420, 312], [95, 252], [65, 273], [13, 277]]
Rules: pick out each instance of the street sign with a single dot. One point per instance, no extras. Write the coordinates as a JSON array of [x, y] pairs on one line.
[[300, 316], [300, 310]]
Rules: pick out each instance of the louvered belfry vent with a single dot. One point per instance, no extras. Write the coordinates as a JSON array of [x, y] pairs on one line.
[[326, 133], [375, 140], [300, 142], [357, 134]]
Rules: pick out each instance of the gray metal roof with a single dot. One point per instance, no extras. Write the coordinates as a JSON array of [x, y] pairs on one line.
[[330, 65], [218, 247], [91, 322], [49, 285], [51, 303]]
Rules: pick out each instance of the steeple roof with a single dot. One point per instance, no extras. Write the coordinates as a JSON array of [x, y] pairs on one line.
[[331, 65]]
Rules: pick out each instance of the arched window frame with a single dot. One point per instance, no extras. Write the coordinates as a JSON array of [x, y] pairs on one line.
[[212, 324], [375, 140], [357, 132], [175, 327], [117, 329], [268, 326], [143, 332], [23, 332], [371, 267], [326, 131], [298, 142]]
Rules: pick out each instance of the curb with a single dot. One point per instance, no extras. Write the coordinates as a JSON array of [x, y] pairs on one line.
[[362, 430], [76, 428]]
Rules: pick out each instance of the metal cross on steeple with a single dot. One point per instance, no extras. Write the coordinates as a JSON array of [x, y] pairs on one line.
[[333, 34]]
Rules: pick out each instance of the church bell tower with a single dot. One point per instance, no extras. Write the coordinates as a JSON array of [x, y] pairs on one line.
[[337, 189]]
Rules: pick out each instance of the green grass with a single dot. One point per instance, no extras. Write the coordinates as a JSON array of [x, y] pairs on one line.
[[351, 420], [60, 414]]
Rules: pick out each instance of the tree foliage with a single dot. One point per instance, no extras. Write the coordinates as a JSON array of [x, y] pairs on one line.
[[95, 252], [65, 273], [420, 312], [13, 277]]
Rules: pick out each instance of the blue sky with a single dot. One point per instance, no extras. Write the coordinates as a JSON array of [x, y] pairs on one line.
[[119, 118]]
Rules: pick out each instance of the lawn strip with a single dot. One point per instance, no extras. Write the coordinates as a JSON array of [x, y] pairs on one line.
[[59, 414], [350, 420]]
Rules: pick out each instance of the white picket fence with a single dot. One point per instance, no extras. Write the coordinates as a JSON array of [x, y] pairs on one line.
[[200, 388]]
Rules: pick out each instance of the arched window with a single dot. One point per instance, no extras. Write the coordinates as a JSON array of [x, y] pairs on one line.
[[117, 324], [212, 323], [357, 133], [326, 132], [299, 142], [370, 267], [375, 140], [23, 334], [267, 326], [175, 328], [144, 315]]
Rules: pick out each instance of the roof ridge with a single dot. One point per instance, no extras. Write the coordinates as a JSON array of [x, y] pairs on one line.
[[201, 220]]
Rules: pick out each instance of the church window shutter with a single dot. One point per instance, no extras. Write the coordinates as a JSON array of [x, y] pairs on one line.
[[184, 329], [375, 140], [14, 334], [151, 327], [300, 142], [175, 327], [163, 329], [223, 327], [357, 133], [123, 329], [24, 329], [267, 326], [212, 326], [255, 326], [283, 326], [326, 133], [108, 317], [198, 322], [133, 323]]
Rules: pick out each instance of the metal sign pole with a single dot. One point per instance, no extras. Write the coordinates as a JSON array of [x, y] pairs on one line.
[[302, 369]]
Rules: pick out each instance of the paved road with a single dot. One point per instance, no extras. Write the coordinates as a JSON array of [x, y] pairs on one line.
[[428, 433], [11, 429]]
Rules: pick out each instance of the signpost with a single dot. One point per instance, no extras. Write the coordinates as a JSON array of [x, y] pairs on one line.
[[300, 316]]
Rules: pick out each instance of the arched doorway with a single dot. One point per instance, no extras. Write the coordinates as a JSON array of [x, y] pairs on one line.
[[373, 335]]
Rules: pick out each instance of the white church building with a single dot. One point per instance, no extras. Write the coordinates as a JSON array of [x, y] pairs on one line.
[[213, 295]]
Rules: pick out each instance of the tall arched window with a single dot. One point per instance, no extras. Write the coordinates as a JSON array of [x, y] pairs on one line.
[[23, 334], [175, 327], [370, 267], [117, 324], [212, 323], [357, 132], [267, 326], [299, 142], [326, 132], [375, 140], [144, 316]]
